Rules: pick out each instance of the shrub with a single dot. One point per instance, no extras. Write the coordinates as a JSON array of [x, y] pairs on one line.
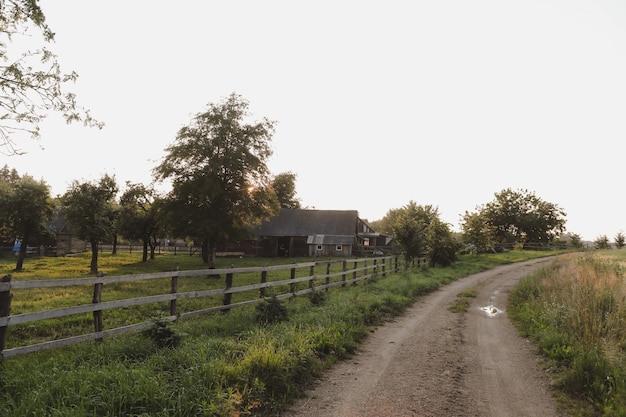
[[317, 297], [162, 333], [271, 310]]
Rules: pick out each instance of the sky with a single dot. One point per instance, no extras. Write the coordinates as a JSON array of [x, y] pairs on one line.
[[376, 103]]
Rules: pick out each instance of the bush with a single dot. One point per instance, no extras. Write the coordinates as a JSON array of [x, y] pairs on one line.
[[317, 297], [271, 310], [163, 334]]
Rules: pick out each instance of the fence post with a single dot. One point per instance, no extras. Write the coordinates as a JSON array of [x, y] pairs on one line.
[[228, 296], [365, 270], [327, 275], [5, 309], [312, 275], [354, 273], [375, 268], [344, 267], [173, 290], [292, 286], [384, 267], [97, 298], [263, 281]]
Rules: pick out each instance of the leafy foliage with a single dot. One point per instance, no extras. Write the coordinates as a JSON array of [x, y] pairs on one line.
[[220, 180], [138, 217], [514, 217], [25, 208], [478, 232], [88, 207], [575, 241], [408, 227], [602, 242], [284, 185], [420, 232], [31, 81], [441, 243]]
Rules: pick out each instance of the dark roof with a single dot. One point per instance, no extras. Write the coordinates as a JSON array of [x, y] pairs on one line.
[[297, 222], [57, 225]]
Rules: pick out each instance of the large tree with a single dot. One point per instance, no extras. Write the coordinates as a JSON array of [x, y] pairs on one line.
[[220, 181], [32, 84], [88, 207], [26, 208], [519, 216]]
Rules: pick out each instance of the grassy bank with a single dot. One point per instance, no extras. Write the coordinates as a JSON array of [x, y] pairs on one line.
[[225, 364], [576, 312]]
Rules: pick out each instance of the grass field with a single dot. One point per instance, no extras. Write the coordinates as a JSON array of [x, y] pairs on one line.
[[226, 364], [49, 298]]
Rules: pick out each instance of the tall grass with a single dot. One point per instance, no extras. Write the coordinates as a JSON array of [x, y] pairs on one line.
[[227, 365], [576, 311]]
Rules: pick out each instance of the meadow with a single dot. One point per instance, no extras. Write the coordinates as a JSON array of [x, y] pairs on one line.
[[251, 361], [575, 311]]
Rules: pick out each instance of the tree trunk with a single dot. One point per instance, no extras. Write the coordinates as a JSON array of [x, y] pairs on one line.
[[144, 255], [21, 254], [93, 268], [204, 251], [208, 253], [114, 252], [153, 245]]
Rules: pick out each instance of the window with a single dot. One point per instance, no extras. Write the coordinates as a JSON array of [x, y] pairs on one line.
[[319, 247], [338, 248]]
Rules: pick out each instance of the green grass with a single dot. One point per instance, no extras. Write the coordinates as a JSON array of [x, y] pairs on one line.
[[463, 301], [41, 299], [575, 310], [227, 364]]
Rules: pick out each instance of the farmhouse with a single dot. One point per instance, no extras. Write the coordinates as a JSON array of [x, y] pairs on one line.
[[297, 232]]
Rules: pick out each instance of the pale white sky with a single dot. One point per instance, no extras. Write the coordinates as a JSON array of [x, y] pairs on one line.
[[377, 103]]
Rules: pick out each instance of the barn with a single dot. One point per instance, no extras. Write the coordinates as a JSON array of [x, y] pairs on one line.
[[66, 240], [304, 232]]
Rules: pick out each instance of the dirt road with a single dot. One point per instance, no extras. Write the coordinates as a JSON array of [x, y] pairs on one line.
[[431, 362]]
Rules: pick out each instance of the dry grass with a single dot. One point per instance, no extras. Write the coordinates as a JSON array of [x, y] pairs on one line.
[[576, 310]]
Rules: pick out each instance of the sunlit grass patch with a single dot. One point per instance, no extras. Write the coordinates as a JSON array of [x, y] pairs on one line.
[[576, 311]]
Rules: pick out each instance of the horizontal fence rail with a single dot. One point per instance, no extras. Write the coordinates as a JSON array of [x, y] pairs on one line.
[[250, 285]]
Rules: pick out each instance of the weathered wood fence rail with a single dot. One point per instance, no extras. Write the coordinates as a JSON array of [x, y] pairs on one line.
[[352, 271]]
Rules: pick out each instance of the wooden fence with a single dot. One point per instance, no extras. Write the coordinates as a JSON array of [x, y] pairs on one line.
[[334, 273]]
